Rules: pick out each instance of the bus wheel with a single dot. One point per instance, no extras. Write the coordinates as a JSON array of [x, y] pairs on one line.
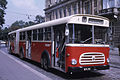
[[21, 54], [42, 63], [45, 63]]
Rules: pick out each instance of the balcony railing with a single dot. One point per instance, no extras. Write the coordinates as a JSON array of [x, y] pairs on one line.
[[108, 11]]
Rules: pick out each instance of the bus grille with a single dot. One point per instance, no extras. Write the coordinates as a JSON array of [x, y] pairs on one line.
[[92, 58]]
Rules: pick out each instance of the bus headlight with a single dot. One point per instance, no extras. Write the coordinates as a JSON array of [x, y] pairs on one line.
[[73, 62]]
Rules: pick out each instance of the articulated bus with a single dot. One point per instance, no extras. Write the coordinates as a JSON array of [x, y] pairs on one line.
[[71, 44]]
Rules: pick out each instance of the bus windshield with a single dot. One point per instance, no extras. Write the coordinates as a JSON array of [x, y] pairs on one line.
[[83, 34]]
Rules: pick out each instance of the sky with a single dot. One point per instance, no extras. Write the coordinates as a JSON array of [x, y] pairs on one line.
[[22, 9]]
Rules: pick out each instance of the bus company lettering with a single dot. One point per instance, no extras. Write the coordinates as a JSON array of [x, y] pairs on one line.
[[47, 45]]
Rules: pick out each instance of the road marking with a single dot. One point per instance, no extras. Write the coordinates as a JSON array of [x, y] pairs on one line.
[[27, 67]]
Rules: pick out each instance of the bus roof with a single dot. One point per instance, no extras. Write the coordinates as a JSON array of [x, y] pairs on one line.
[[73, 19]]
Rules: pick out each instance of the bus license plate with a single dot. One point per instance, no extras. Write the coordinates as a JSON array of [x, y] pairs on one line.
[[87, 69]]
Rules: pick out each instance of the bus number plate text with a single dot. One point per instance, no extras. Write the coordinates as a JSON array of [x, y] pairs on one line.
[[87, 69]]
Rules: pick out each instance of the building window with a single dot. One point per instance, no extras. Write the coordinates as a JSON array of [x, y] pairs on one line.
[[75, 8], [95, 3], [56, 14], [64, 12], [104, 4], [69, 10], [117, 2], [60, 12], [95, 7], [87, 6], [49, 3], [53, 15], [110, 3], [50, 17]]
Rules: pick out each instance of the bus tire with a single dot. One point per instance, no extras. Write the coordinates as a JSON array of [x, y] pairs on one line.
[[41, 61], [45, 61], [21, 53]]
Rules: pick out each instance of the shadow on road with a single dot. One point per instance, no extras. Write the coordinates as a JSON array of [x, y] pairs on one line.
[[79, 75]]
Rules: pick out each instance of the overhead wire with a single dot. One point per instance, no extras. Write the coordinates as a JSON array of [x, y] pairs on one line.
[[28, 15], [19, 13]]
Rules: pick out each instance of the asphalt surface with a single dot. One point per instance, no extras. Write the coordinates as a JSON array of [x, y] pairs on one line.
[[13, 68]]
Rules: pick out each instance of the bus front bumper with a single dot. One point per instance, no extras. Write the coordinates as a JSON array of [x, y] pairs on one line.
[[89, 68]]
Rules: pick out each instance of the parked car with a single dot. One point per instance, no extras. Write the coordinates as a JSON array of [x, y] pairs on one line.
[[2, 42]]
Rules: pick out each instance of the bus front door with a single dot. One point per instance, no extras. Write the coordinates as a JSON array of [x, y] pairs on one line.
[[59, 54]]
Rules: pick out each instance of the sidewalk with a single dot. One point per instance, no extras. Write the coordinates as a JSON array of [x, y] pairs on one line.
[[13, 69], [114, 58]]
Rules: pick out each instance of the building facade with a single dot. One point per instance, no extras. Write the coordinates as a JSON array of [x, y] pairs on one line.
[[61, 8], [111, 10], [55, 9]]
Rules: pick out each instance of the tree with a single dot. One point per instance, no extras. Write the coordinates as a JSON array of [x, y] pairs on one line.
[[0, 33], [21, 24], [30, 23], [5, 34], [16, 25], [39, 19], [3, 4]]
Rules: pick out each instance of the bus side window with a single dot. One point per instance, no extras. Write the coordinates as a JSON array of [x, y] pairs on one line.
[[10, 37], [21, 36], [13, 36], [34, 34], [70, 33], [48, 33], [40, 34]]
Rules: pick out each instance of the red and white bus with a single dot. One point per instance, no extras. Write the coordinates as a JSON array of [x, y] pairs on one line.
[[71, 44]]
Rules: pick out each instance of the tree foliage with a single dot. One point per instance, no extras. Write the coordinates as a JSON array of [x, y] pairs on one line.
[[16, 25], [3, 4], [22, 24], [4, 33], [39, 19], [19, 24]]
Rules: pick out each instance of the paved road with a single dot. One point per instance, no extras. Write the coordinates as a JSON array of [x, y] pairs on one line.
[[114, 58], [13, 68]]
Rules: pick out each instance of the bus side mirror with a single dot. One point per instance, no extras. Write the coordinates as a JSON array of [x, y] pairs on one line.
[[66, 32]]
